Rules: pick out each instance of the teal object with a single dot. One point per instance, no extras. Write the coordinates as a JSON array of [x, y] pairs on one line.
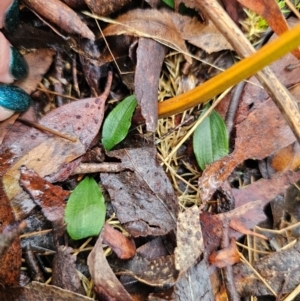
[[18, 67], [14, 98], [12, 15]]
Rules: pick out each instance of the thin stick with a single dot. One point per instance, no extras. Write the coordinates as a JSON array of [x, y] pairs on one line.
[[46, 129]]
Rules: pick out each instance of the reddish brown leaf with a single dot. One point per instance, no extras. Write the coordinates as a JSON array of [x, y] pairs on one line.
[[150, 57], [265, 190], [237, 225], [48, 156], [123, 246], [225, 257], [106, 283], [270, 11], [61, 15], [257, 138], [11, 260], [142, 197], [49, 197]]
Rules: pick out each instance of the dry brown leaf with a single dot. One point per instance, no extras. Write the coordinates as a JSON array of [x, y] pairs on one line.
[[39, 291], [106, 7], [64, 272], [123, 246], [106, 284], [237, 225], [157, 272], [49, 197], [170, 29], [225, 257], [60, 14], [189, 239], [150, 57]]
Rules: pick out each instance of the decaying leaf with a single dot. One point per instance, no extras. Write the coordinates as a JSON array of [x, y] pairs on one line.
[[281, 270], [189, 239], [150, 57], [61, 15], [256, 139], [225, 257], [264, 189], [168, 28], [64, 272], [106, 283], [106, 7], [49, 197], [123, 246], [39, 291], [157, 272], [142, 197], [52, 151], [11, 260], [194, 285]]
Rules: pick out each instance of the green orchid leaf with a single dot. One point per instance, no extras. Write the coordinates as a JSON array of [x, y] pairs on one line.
[[169, 3], [85, 210], [210, 141], [117, 123]]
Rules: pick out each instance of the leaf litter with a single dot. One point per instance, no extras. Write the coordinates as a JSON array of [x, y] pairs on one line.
[[140, 194]]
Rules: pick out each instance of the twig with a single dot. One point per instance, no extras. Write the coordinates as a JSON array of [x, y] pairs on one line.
[[232, 293], [46, 129]]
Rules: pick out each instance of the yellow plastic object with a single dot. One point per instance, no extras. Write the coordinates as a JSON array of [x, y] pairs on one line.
[[271, 52]]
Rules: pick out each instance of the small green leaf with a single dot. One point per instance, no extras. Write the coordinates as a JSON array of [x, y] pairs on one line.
[[85, 210], [210, 141], [117, 123], [169, 3]]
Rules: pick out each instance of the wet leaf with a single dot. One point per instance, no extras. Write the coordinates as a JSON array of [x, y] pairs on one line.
[[225, 257], [49, 197], [123, 246], [117, 123], [85, 210], [160, 271], [64, 272], [189, 239], [210, 141], [275, 268], [107, 285], [142, 196]]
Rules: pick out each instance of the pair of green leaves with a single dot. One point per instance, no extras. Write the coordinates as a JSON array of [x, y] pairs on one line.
[[210, 141], [85, 211]]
